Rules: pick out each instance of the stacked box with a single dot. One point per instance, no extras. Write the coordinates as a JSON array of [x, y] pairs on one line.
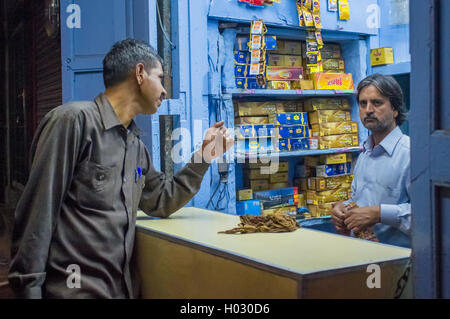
[[285, 66], [330, 182], [333, 65], [336, 128], [317, 104], [245, 194], [278, 198], [290, 210], [248, 207], [242, 71], [270, 109]]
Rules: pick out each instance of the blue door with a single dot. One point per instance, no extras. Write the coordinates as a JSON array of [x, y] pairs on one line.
[[88, 30], [430, 147]]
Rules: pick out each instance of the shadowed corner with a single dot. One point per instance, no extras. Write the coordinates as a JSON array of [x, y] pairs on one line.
[[6, 226]]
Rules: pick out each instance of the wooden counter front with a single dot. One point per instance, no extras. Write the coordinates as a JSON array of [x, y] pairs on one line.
[[185, 257]]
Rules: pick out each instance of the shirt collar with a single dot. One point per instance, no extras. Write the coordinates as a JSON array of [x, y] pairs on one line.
[[109, 117], [388, 143]]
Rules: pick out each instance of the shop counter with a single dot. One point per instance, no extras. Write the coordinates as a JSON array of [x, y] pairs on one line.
[[184, 256]]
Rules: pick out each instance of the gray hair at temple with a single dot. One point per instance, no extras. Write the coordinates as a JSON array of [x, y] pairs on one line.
[[389, 88]]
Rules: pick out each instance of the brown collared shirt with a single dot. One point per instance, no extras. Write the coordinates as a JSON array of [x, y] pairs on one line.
[[78, 211]]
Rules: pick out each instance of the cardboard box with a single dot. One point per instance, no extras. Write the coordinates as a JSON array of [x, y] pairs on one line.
[[317, 104], [278, 185], [278, 197], [255, 174], [279, 85], [241, 83], [272, 167], [290, 210], [326, 183], [245, 194], [331, 51], [328, 196], [295, 131], [284, 73], [333, 64], [301, 183], [381, 56], [259, 185], [333, 170], [320, 210], [283, 145], [253, 84], [264, 130], [313, 143], [289, 47], [329, 116], [335, 128], [334, 159], [254, 145], [306, 85], [266, 108], [293, 61], [276, 59], [241, 57], [240, 70], [297, 118], [248, 207], [338, 141], [298, 144], [333, 81], [280, 177], [251, 120]]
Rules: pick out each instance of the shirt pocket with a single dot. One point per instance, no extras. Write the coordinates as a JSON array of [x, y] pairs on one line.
[[95, 185]]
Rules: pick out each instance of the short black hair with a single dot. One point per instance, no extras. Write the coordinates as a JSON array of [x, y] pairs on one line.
[[123, 57], [389, 88]]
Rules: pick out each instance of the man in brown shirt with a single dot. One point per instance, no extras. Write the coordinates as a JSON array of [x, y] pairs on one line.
[[90, 173]]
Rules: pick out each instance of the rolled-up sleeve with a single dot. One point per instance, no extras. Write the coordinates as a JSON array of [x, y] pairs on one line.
[[55, 148]]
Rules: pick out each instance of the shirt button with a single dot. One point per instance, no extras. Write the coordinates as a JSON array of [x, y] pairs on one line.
[[124, 180], [100, 176]]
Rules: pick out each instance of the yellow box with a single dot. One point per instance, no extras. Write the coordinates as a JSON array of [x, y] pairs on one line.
[[335, 128], [279, 185], [317, 104], [333, 81], [329, 196], [327, 183], [329, 116], [259, 185], [253, 174], [266, 108], [334, 159], [320, 210], [381, 56], [251, 120], [338, 141], [290, 210], [279, 85], [333, 64], [245, 194], [293, 60], [306, 85], [281, 177]]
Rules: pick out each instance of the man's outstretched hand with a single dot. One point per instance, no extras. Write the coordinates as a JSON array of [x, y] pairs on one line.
[[218, 140]]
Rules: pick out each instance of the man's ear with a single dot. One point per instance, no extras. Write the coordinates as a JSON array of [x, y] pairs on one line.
[[140, 73]]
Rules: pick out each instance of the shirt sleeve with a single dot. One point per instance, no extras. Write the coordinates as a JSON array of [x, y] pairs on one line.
[[162, 196], [399, 216], [55, 148]]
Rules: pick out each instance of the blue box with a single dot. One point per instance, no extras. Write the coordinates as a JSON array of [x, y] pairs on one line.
[[241, 83], [277, 197], [298, 144], [271, 42], [242, 57], [333, 169], [295, 131], [240, 70], [244, 131], [264, 130], [252, 84], [283, 145], [298, 118], [254, 145], [248, 207]]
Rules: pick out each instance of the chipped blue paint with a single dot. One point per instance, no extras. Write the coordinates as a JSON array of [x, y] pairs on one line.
[[285, 15]]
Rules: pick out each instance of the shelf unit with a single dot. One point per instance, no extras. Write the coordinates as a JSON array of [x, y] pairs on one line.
[[228, 20]]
